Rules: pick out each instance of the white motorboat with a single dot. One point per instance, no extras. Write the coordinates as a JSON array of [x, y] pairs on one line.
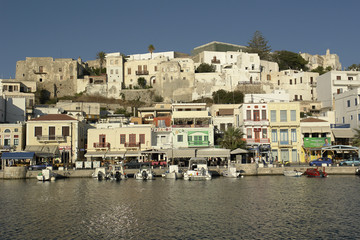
[[231, 172], [117, 172], [173, 172], [292, 173], [144, 173], [46, 175], [198, 170], [101, 173]]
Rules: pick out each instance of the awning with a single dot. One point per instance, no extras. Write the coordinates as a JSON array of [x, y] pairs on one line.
[[18, 155], [94, 154], [44, 150], [213, 152], [239, 151], [343, 133], [120, 154], [180, 153]]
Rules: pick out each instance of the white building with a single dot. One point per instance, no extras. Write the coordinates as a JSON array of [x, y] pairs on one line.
[[347, 107], [114, 72], [276, 96], [328, 60], [226, 115], [335, 82]]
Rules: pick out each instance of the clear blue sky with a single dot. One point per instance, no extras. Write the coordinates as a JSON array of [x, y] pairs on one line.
[[69, 29]]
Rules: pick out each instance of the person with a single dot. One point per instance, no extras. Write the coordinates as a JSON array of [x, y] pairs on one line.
[[326, 142]]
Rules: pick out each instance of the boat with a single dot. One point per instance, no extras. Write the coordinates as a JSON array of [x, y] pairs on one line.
[[198, 170], [313, 172], [357, 171], [173, 172], [144, 173], [231, 171], [117, 172], [101, 173], [46, 175], [293, 173]]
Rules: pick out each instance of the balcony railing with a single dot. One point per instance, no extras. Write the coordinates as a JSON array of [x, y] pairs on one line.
[[215, 61], [143, 72], [198, 143], [190, 126], [51, 138], [132, 145], [257, 140], [102, 145]]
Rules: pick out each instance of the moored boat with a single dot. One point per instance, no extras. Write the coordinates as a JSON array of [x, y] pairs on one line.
[[313, 172], [46, 175], [173, 172], [292, 173], [231, 172], [198, 170], [144, 173]]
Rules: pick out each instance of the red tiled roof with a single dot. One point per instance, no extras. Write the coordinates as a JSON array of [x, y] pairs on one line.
[[312, 120], [53, 117]]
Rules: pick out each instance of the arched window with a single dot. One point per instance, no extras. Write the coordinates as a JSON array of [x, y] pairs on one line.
[[7, 130]]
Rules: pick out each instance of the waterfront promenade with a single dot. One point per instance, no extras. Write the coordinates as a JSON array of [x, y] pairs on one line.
[[246, 170]]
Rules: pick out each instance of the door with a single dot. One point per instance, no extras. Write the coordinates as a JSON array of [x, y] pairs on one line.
[[102, 140], [51, 133]]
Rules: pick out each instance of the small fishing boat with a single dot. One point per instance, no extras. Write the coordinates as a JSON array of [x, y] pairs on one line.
[[144, 173], [46, 175], [313, 172], [173, 172], [231, 171], [101, 173], [292, 173], [198, 170], [117, 172]]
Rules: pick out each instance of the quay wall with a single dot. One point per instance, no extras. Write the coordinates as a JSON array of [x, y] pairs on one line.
[[246, 170]]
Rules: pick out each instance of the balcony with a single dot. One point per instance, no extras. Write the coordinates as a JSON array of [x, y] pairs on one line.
[[215, 61], [132, 145], [257, 140], [190, 126], [102, 145], [39, 72], [143, 72], [198, 143], [51, 138]]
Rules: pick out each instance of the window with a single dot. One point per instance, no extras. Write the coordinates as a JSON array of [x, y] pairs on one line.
[[263, 114], [293, 115], [273, 115], [155, 68], [348, 103], [268, 77], [116, 62], [41, 69], [142, 138], [256, 115], [296, 97], [279, 82], [338, 77], [129, 71], [351, 117], [65, 131], [180, 138], [60, 69], [7, 131], [293, 135], [16, 130], [248, 114], [16, 141], [38, 131], [122, 138], [290, 81], [283, 117], [350, 78], [206, 138], [284, 136], [111, 71], [222, 127], [311, 80], [295, 81], [274, 135], [71, 77], [249, 133], [343, 120], [356, 102], [264, 133], [300, 79]]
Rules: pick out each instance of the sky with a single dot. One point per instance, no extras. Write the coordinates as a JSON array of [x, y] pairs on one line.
[[72, 29]]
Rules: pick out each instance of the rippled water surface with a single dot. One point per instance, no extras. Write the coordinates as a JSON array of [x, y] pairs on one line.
[[273, 207]]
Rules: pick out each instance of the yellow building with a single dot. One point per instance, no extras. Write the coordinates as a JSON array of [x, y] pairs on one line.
[[285, 136], [12, 136], [118, 142], [56, 136]]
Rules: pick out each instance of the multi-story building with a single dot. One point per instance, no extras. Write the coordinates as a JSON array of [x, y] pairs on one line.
[[284, 131], [114, 72], [335, 82], [301, 86], [191, 126], [12, 137], [328, 60], [347, 107], [314, 131], [56, 135], [116, 143], [85, 110], [225, 116], [57, 76]]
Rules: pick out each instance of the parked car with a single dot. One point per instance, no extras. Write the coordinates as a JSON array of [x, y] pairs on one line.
[[40, 166], [318, 162], [349, 162]]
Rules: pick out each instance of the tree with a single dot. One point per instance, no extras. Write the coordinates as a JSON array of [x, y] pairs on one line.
[[289, 60], [232, 139], [151, 48], [141, 82], [356, 139], [158, 98], [101, 56], [355, 67], [204, 68], [258, 44], [224, 97]]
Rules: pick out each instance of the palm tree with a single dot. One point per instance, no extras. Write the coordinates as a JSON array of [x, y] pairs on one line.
[[151, 48], [101, 56], [232, 139]]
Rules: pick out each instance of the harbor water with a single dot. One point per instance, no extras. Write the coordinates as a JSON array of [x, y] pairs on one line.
[[266, 207]]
